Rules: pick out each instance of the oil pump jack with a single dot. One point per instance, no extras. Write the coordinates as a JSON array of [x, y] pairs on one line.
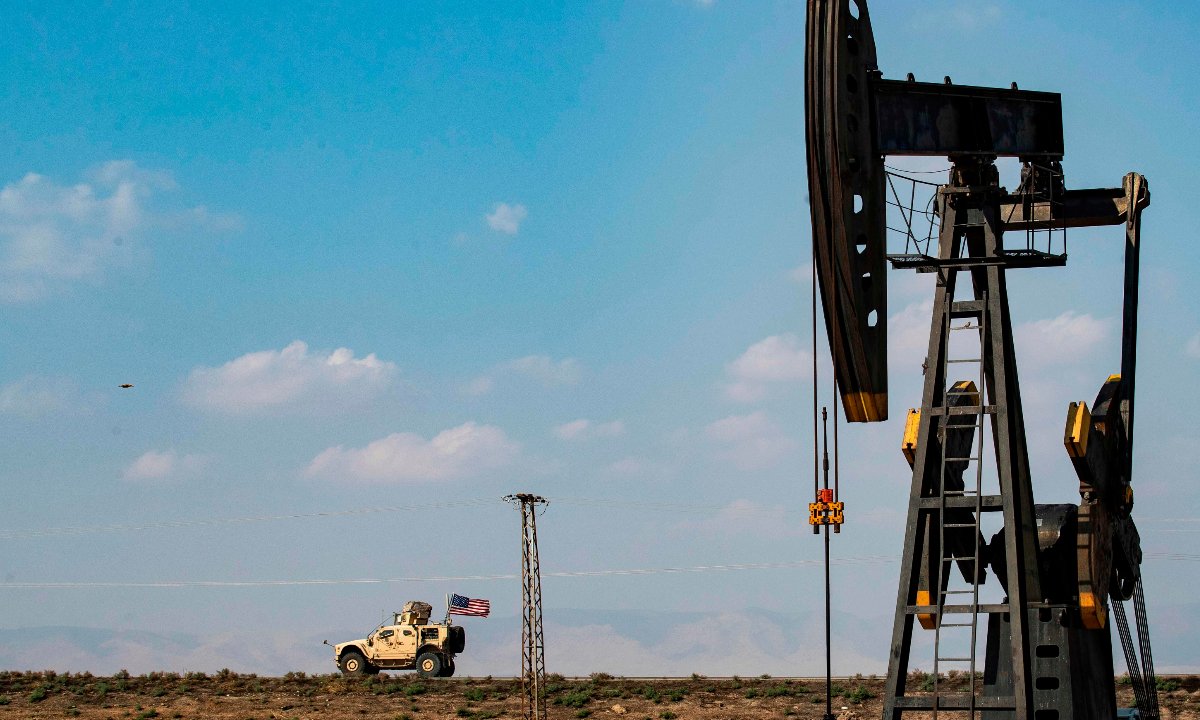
[[1048, 652]]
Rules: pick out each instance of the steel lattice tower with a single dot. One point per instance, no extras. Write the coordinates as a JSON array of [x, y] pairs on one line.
[[533, 645]]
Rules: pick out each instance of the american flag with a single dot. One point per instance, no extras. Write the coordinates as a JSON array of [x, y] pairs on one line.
[[460, 605]]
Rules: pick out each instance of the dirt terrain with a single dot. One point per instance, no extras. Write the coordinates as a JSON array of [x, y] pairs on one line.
[[248, 697]]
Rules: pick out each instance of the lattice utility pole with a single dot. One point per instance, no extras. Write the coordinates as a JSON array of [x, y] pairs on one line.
[[533, 645]]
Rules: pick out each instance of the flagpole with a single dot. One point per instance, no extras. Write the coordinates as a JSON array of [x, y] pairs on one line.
[[447, 608]]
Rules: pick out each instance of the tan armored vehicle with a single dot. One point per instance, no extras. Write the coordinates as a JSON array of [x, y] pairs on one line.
[[411, 642]]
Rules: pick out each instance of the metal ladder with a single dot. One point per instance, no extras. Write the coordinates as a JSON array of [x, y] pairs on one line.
[[975, 412]]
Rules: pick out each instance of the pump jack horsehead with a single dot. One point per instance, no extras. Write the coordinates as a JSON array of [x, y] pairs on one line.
[[1048, 644]]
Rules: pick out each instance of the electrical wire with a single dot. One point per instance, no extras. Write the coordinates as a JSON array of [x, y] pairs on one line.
[[1184, 557], [672, 507], [476, 502], [860, 560], [681, 508], [171, 524], [868, 559]]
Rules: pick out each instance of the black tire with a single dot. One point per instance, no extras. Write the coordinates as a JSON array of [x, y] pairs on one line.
[[429, 665], [353, 663], [448, 669]]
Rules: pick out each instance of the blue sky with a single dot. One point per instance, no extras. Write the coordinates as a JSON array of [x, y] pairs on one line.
[[359, 256]]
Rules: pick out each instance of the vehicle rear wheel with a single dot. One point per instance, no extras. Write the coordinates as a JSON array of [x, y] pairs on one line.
[[429, 665], [353, 663], [448, 669]]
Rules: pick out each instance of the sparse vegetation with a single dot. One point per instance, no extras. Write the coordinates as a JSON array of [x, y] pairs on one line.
[[234, 696], [575, 700]]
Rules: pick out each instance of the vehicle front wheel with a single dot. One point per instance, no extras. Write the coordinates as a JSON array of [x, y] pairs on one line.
[[448, 669], [429, 665], [353, 663]]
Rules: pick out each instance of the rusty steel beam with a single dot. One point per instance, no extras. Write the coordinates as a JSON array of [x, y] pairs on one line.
[[1077, 208], [913, 118]]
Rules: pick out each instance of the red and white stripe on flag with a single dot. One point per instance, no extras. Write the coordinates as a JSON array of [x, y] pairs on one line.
[[462, 605]]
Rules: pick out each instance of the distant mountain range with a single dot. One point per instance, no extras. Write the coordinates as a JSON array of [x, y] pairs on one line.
[[578, 642]]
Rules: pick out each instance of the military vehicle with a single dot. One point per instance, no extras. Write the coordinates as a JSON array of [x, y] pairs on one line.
[[411, 642]]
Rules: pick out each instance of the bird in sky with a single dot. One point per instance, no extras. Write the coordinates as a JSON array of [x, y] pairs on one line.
[[126, 386]]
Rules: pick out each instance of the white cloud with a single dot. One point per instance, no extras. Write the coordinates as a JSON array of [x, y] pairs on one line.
[[754, 441], [571, 430], [971, 16], [545, 370], [459, 452], [908, 337], [801, 274], [628, 466], [965, 16], [506, 218], [272, 378], [1066, 338], [536, 367], [774, 359], [163, 466], [29, 397], [36, 396], [1193, 347], [616, 427], [52, 235], [477, 386], [583, 428]]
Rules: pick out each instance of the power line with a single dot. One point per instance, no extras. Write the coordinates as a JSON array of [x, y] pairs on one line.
[[175, 524], [673, 507], [1186, 557], [861, 560], [870, 559], [475, 502], [172, 524]]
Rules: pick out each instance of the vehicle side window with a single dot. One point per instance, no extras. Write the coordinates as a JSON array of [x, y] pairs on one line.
[[386, 633], [408, 632]]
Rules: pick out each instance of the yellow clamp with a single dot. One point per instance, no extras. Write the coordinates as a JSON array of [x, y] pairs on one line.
[[829, 513]]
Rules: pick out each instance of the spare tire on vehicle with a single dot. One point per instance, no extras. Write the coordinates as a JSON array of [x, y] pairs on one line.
[[456, 639]]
